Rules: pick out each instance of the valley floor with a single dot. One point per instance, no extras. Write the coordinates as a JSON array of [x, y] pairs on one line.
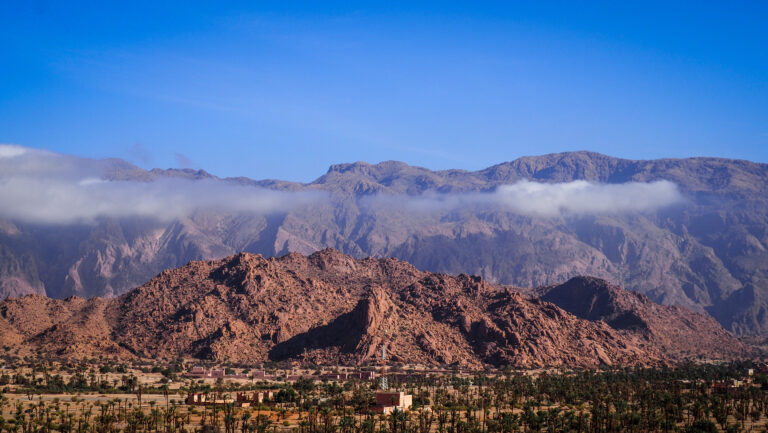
[[44, 396]]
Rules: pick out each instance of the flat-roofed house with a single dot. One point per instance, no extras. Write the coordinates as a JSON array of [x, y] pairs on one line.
[[387, 401]]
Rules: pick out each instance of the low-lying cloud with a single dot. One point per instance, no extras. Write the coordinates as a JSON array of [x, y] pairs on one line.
[[549, 199], [581, 197], [45, 187]]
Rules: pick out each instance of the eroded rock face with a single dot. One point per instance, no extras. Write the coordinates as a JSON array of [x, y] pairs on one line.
[[676, 331], [330, 308]]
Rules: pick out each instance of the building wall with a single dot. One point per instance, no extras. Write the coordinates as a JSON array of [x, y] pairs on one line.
[[400, 400], [389, 398], [406, 401]]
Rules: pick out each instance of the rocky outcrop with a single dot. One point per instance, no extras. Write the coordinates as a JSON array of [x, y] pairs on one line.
[[329, 308], [677, 332]]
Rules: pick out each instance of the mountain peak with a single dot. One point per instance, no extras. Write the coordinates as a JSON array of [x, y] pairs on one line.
[[326, 308], [677, 331], [366, 168]]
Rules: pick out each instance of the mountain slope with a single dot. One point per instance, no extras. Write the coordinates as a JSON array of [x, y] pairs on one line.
[[330, 308], [708, 253], [677, 331]]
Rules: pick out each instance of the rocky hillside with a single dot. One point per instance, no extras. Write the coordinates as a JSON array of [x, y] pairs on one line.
[[331, 308], [707, 253], [677, 331]]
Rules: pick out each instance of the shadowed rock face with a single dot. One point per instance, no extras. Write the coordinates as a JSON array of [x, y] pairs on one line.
[[330, 308], [595, 299], [678, 332], [355, 335], [708, 254]]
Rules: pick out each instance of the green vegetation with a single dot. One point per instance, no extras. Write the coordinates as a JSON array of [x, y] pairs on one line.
[[688, 398]]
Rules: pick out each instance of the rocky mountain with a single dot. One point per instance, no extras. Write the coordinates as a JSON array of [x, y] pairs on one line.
[[677, 331], [706, 252], [330, 308]]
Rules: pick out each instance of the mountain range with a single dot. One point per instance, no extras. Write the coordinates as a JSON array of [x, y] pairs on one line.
[[696, 239], [329, 308]]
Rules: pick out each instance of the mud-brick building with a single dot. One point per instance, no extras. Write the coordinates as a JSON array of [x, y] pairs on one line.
[[248, 398], [387, 401]]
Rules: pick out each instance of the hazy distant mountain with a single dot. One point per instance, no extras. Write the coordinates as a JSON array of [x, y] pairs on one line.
[[705, 250], [329, 308]]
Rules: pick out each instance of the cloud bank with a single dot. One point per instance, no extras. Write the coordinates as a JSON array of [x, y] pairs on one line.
[[582, 197], [550, 199], [44, 187]]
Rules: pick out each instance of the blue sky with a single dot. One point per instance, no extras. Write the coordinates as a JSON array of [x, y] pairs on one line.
[[283, 90]]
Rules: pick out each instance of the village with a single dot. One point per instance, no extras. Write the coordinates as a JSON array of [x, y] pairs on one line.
[[189, 396], [384, 401]]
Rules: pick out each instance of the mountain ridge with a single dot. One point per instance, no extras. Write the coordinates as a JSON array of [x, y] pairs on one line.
[[329, 308], [709, 254]]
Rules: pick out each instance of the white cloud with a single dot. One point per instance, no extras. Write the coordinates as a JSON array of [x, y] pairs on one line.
[[549, 199], [581, 197], [45, 187], [10, 150]]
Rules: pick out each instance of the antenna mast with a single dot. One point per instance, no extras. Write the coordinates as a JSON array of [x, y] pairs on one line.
[[384, 382]]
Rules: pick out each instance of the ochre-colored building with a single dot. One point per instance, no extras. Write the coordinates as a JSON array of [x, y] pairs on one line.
[[387, 401], [248, 398]]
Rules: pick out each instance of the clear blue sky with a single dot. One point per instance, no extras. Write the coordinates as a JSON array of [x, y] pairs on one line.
[[273, 91]]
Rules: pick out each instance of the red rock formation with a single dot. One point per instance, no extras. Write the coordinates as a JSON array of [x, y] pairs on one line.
[[329, 308], [677, 332]]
